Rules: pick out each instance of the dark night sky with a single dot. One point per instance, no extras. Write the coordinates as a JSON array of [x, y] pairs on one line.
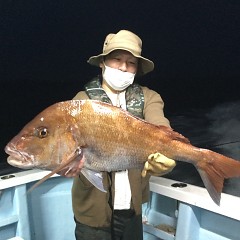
[[44, 46]]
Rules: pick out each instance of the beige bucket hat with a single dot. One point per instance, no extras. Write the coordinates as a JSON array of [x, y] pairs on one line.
[[128, 41]]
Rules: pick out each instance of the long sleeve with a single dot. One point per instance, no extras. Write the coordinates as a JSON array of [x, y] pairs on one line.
[[154, 108]]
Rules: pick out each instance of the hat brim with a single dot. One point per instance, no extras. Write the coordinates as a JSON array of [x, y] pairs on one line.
[[144, 65]]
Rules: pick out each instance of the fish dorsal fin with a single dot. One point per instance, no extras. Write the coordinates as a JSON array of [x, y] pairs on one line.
[[174, 135]]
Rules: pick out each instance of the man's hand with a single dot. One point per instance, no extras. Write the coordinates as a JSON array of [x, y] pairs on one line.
[[158, 165]]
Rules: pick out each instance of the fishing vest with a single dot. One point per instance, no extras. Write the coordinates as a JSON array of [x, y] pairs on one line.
[[134, 96]]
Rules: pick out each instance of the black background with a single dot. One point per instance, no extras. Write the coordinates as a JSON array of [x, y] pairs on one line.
[[44, 46]]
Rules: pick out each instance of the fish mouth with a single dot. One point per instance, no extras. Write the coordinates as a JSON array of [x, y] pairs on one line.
[[18, 158]]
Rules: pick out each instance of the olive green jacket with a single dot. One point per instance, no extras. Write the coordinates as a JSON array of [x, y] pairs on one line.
[[90, 205]]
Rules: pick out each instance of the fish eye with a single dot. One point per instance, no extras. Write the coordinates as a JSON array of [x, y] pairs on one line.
[[42, 132]]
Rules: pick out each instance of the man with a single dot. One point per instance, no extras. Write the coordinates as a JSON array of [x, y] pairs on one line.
[[117, 213]]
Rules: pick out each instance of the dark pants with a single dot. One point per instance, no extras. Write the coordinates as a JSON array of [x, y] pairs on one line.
[[125, 226]]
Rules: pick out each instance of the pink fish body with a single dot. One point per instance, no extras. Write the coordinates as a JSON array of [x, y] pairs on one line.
[[109, 139]]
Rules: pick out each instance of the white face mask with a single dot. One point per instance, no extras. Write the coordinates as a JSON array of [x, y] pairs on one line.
[[117, 79]]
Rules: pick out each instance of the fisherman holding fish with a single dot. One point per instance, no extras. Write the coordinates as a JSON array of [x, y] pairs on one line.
[[117, 213], [111, 151]]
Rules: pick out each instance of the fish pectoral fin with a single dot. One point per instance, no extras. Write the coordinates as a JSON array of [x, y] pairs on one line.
[[40, 181], [75, 157], [94, 177]]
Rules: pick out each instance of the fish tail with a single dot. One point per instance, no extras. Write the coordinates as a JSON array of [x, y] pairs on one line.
[[214, 169]]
